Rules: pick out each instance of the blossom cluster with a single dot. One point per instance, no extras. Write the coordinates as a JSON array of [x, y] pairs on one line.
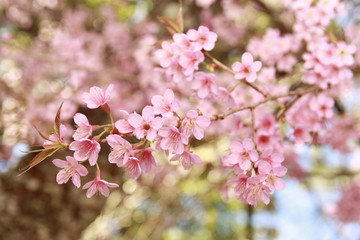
[[158, 123], [281, 90]]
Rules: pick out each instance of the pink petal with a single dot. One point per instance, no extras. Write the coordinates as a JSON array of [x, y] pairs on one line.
[[248, 144], [169, 96], [82, 171], [135, 120], [123, 126], [80, 119], [76, 180], [256, 66], [104, 190], [60, 163], [91, 191], [247, 58], [279, 184], [148, 113]]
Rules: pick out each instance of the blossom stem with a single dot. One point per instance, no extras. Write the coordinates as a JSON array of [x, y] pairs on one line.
[[299, 92], [226, 68]]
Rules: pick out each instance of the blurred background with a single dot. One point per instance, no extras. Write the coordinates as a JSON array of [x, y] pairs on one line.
[[52, 49]]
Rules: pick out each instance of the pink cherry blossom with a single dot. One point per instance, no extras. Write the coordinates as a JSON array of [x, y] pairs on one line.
[[97, 97], [205, 84], [183, 42], [273, 173], [187, 158], [122, 125], [344, 56], [98, 185], [146, 125], [56, 139], [322, 105], [190, 61], [121, 150], [203, 38], [146, 159], [247, 68], [84, 129], [242, 154], [165, 105], [133, 167], [86, 149], [256, 190], [172, 139], [167, 54], [71, 169], [194, 124]]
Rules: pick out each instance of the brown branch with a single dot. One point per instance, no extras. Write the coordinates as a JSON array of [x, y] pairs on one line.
[[226, 68], [299, 92]]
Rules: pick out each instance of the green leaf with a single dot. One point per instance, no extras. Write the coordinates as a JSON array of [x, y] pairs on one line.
[[38, 159]]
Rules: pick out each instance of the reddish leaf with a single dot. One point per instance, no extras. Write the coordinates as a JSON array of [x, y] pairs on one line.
[[42, 135], [38, 159], [180, 18], [57, 121], [171, 25]]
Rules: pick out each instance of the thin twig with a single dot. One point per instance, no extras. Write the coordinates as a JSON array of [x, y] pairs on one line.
[[226, 68], [269, 98]]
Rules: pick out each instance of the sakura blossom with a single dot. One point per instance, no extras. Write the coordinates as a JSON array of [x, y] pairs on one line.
[[247, 68], [165, 105], [71, 169], [96, 97], [188, 119], [86, 149], [84, 129], [98, 185], [145, 125], [194, 124], [172, 139]]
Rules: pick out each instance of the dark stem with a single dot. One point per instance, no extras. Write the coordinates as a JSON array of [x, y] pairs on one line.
[[249, 224]]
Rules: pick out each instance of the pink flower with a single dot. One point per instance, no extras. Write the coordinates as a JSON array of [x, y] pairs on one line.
[[145, 125], [195, 124], [84, 129], [272, 176], [167, 54], [190, 61], [97, 97], [203, 38], [344, 54], [133, 167], [247, 68], [86, 149], [242, 154], [182, 41], [205, 84], [322, 106], [172, 139], [256, 190], [146, 159], [123, 125], [165, 105], [55, 140], [121, 150], [186, 159], [269, 156], [71, 169], [98, 185]]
